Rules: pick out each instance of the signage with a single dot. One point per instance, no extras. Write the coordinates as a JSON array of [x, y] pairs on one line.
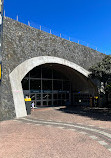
[[27, 99]]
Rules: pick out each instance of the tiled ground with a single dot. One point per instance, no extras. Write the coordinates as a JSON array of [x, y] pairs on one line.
[[23, 138], [87, 117]]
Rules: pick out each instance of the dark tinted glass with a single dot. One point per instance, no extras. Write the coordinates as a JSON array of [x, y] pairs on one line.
[[25, 84], [47, 85], [66, 85], [57, 85], [35, 84], [36, 72], [47, 73]]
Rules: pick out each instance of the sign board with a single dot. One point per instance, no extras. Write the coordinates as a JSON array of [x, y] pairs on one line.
[[27, 99]]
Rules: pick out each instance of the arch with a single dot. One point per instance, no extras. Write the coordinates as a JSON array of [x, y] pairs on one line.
[[21, 70]]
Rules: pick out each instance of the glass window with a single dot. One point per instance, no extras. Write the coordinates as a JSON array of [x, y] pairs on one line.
[[32, 96], [55, 103], [35, 84], [49, 103], [66, 85], [45, 96], [25, 84], [57, 85], [46, 72], [44, 103], [63, 96], [38, 96], [63, 102], [49, 96], [55, 96], [59, 102], [59, 96], [38, 103], [58, 75], [36, 72], [67, 95], [47, 84]]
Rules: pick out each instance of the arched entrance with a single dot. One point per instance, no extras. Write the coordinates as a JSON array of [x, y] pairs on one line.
[[71, 71], [47, 85]]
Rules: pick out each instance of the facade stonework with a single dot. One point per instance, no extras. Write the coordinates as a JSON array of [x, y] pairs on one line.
[[21, 42]]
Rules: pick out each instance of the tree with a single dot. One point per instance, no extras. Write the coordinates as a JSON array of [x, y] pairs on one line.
[[102, 72]]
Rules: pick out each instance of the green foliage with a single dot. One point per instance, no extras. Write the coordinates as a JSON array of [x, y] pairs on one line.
[[108, 87], [102, 70]]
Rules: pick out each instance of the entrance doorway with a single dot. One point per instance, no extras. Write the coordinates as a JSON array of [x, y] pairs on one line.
[[47, 86]]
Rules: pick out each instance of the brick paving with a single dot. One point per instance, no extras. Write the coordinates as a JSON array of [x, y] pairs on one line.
[[53, 133]]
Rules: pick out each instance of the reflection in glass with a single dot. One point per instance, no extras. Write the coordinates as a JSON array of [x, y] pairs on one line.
[[32, 96], [45, 96], [49, 96]]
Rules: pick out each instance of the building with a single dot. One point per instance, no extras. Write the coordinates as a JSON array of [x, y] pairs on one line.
[[52, 70]]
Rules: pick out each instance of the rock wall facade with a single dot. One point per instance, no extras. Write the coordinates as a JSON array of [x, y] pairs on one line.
[[21, 42]]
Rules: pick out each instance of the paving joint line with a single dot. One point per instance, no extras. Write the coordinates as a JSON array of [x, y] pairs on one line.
[[102, 142], [80, 124]]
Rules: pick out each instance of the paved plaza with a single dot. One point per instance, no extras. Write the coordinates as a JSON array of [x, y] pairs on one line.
[[57, 133]]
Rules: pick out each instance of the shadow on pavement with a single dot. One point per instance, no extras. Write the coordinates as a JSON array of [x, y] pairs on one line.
[[103, 114]]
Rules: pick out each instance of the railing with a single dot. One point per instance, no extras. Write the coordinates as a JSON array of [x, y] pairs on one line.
[[72, 39], [82, 42]]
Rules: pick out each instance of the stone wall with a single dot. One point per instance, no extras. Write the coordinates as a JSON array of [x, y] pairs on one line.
[[21, 42]]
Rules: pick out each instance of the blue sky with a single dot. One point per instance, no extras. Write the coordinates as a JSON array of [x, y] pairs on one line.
[[88, 21]]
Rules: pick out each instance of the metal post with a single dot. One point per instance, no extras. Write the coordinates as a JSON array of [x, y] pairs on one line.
[[4, 13], [40, 27], [69, 38], [50, 31], [60, 34], [28, 23], [78, 41], [17, 17]]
